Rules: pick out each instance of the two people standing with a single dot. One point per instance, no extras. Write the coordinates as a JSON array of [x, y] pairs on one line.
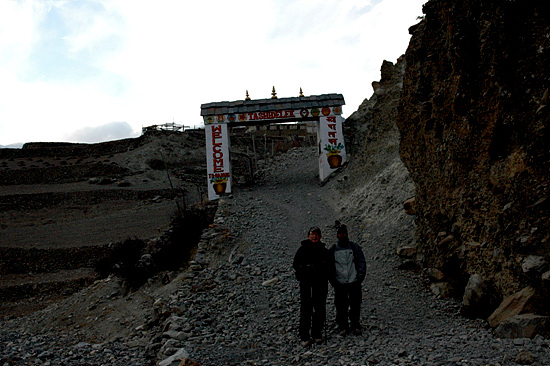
[[344, 266]]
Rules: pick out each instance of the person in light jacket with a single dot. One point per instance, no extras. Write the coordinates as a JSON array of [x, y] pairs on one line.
[[350, 272]]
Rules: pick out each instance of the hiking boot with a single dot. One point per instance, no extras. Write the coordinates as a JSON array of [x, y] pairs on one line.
[[357, 331], [318, 341], [306, 343]]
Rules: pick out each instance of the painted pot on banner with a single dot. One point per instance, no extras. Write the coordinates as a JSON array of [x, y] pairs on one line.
[[334, 161], [219, 188]]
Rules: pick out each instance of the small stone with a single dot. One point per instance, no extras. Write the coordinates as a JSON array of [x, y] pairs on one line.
[[435, 274], [270, 282], [180, 355], [123, 183], [406, 251], [410, 206], [525, 358], [443, 289], [534, 264]]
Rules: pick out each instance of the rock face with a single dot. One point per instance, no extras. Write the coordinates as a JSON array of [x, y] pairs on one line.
[[475, 137]]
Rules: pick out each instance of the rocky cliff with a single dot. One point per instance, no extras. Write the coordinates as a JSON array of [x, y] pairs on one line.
[[475, 137]]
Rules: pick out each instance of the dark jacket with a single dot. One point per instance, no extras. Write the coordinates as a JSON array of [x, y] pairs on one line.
[[350, 262], [313, 262]]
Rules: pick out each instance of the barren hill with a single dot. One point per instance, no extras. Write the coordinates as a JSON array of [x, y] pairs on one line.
[[62, 205]]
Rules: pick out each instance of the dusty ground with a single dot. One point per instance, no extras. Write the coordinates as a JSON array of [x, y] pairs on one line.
[[223, 313], [72, 202]]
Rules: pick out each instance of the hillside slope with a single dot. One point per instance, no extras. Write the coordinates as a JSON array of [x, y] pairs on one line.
[[64, 206]]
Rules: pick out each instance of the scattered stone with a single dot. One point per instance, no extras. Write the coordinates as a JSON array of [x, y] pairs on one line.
[[446, 240], [406, 251], [270, 282], [123, 183], [410, 265], [435, 274], [176, 359], [105, 181], [442, 289], [410, 206], [236, 260], [524, 326], [227, 316], [534, 265], [525, 358]]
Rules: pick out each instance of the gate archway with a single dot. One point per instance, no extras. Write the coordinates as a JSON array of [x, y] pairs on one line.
[[325, 110]]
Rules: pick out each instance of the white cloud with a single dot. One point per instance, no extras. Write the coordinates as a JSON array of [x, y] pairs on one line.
[[107, 132], [150, 63], [17, 32]]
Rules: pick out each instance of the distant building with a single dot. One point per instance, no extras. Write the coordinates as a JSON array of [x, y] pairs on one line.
[[164, 127]]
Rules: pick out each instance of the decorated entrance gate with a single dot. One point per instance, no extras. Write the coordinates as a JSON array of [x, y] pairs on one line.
[[325, 110]]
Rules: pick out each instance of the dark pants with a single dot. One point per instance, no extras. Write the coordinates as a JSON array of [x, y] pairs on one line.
[[347, 300], [313, 298]]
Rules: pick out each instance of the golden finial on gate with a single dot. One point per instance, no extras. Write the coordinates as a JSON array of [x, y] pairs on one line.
[[273, 94], [301, 94], [247, 96]]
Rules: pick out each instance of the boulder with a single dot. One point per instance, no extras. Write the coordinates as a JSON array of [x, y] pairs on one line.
[[513, 305], [524, 326], [479, 298], [534, 265]]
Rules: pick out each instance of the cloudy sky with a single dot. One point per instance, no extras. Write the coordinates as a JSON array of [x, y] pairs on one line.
[[98, 70]]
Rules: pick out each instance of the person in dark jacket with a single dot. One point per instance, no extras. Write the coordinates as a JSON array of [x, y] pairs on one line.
[[313, 267], [350, 271]]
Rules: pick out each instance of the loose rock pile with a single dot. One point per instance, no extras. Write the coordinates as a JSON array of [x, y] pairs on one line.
[[238, 302], [245, 310]]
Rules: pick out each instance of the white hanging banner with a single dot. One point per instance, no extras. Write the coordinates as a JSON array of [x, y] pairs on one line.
[[332, 152], [218, 165]]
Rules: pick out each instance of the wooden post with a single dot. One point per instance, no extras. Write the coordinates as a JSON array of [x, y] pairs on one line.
[[254, 150]]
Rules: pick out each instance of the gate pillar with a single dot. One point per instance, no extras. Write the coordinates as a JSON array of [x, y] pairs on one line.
[[330, 138], [218, 163]]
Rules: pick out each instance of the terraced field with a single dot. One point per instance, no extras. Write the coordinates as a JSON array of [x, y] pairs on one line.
[[62, 206]]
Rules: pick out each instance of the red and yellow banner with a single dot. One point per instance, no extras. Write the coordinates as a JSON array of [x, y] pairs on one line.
[[218, 165]]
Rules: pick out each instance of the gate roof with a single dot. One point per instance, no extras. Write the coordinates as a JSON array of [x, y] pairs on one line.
[[272, 104]]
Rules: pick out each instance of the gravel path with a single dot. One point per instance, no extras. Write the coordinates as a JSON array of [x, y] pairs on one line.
[[244, 311], [249, 315]]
